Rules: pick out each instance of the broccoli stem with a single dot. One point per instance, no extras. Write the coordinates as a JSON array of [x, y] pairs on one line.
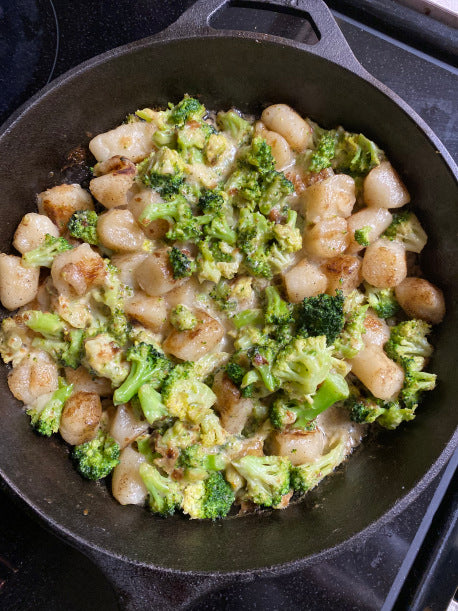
[[49, 325], [333, 389], [151, 403], [248, 317]]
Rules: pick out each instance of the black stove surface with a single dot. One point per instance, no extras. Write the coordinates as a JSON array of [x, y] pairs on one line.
[[39, 40]]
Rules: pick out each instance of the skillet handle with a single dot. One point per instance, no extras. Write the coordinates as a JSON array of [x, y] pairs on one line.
[[331, 45]]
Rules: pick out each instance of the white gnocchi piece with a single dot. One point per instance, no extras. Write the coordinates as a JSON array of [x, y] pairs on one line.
[[126, 427], [233, 409], [377, 332], [343, 273], [299, 446], [421, 299], [384, 189], [118, 231], [304, 280], [384, 264], [155, 274], [76, 271], [375, 219], [127, 263], [59, 203], [282, 119], [32, 230], [127, 486], [83, 381], [327, 238], [35, 375], [114, 178], [195, 343], [18, 284], [149, 311], [382, 376], [138, 202], [131, 140], [334, 196], [80, 418]]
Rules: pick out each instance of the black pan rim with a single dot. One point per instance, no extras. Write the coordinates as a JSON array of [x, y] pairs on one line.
[[402, 503]]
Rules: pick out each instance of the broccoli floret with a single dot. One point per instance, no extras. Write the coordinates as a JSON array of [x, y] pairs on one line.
[[278, 260], [50, 325], [83, 225], [221, 294], [186, 110], [362, 235], [275, 187], [44, 254], [262, 358], [14, 340], [182, 265], [321, 315], [237, 127], [254, 234], [185, 396], [148, 365], [163, 172], [382, 301], [394, 414], [243, 187], [287, 235], [112, 294], [211, 201], [356, 154], [363, 409], [151, 403], [105, 358], [278, 311], [305, 477], [248, 317], [259, 156], [408, 341], [302, 365], [300, 415], [197, 463], [324, 152], [164, 495], [235, 373], [267, 478], [73, 352], [182, 318], [406, 228], [345, 152], [45, 418], [208, 499], [350, 340], [219, 229], [415, 383], [97, 458]]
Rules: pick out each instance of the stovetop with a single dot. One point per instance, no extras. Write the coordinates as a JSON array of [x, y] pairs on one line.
[[39, 40]]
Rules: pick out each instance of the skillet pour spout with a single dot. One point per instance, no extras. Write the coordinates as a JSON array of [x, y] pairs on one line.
[[249, 71]]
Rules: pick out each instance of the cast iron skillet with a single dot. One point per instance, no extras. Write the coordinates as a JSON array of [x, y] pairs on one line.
[[247, 70]]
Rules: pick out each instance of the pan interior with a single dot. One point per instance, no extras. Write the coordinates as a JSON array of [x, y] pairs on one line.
[[247, 74]]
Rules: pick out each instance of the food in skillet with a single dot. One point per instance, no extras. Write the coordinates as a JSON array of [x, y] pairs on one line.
[[220, 316]]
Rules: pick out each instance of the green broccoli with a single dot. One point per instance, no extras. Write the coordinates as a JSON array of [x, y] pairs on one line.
[[394, 414], [275, 187], [254, 234], [321, 315], [406, 228], [356, 154], [267, 478], [258, 156], [287, 235], [186, 110], [44, 254], [97, 458], [262, 359], [296, 415], [112, 294], [307, 476], [211, 498], [182, 318], [148, 365], [83, 225], [363, 409], [182, 265], [185, 396], [302, 365], [151, 403], [278, 260], [243, 187], [164, 495], [50, 325], [45, 417], [14, 340], [197, 463], [221, 295], [324, 152], [382, 301], [362, 235], [415, 383], [408, 341], [235, 125], [211, 201], [278, 311], [350, 340], [73, 352], [104, 356], [248, 317], [162, 171]]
